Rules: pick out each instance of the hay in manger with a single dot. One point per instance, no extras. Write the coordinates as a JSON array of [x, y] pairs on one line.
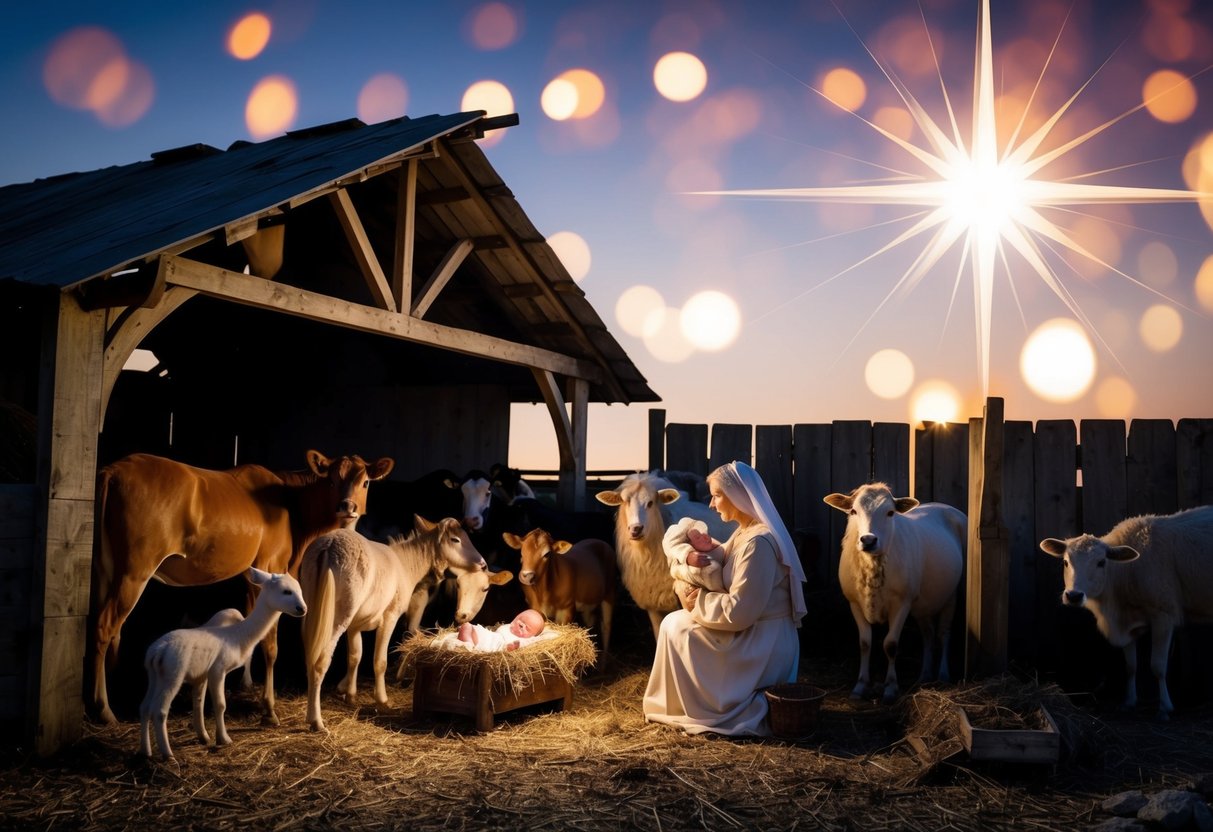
[[484, 684]]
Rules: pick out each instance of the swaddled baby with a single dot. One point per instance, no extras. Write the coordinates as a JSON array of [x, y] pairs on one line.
[[681, 539]]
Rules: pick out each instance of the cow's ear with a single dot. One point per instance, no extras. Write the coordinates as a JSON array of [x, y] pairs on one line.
[[381, 468], [450, 483], [512, 540], [318, 463], [609, 498], [501, 577], [562, 546], [1122, 554], [904, 504], [842, 502], [1053, 546], [667, 495], [421, 524]]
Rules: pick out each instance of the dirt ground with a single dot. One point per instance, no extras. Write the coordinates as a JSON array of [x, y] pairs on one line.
[[595, 766]]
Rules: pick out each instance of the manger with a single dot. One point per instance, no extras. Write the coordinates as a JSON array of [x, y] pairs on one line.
[[484, 684]]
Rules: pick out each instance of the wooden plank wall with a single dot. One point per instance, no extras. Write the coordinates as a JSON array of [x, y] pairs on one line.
[[1059, 479], [16, 571]]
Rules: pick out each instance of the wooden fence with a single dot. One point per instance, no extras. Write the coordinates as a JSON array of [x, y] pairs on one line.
[[1057, 479]]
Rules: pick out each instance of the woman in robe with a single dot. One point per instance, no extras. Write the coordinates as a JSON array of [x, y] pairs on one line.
[[716, 654]]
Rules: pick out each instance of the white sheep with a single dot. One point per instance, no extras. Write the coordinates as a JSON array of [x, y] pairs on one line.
[[1149, 571], [204, 655]]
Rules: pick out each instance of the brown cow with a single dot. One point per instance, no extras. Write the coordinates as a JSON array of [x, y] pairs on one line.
[[559, 577], [187, 526]]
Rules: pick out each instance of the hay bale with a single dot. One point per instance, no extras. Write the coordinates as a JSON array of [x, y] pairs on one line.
[[567, 655]]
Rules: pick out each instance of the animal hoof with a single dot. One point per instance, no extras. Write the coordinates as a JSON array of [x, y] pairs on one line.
[[270, 719], [888, 698]]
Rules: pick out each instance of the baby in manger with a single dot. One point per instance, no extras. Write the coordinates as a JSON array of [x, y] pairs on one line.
[[526, 628], [682, 540]]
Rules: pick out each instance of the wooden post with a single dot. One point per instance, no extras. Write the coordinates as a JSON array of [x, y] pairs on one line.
[[571, 491], [70, 419], [656, 438], [989, 578]]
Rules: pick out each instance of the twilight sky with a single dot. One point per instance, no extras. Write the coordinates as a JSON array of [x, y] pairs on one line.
[[1058, 209]]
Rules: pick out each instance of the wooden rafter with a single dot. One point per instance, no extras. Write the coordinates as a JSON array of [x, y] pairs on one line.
[[493, 218], [129, 331], [406, 232], [570, 434], [253, 291], [441, 276], [368, 263]]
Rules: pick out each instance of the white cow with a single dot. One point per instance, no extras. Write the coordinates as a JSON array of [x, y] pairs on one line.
[[646, 508], [1149, 571], [900, 558]]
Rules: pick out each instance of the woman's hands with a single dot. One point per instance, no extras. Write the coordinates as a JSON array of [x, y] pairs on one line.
[[698, 559], [688, 597]]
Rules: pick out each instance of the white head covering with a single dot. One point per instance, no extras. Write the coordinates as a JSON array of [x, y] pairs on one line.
[[746, 490]]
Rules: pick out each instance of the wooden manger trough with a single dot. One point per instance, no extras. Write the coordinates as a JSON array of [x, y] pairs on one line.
[[483, 685]]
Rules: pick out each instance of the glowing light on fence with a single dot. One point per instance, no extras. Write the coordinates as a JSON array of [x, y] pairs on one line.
[[680, 76], [1169, 96], [845, 88], [384, 96], [249, 36], [493, 26], [271, 107], [1160, 328], [638, 310], [935, 401], [573, 252], [710, 320], [1057, 362], [889, 373]]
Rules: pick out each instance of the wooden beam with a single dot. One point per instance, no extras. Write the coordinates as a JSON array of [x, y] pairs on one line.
[[406, 233], [482, 203], [360, 244], [560, 417], [442, 196], [441, 276], [129, 331], [253, 291], [987, 601], [571, 490]]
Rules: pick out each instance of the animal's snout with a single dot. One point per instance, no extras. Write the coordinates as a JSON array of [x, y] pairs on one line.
[[636, 531], [347, 508], [1073, 597], [867, 542], [300, 609], [527, 578], [462, 617], [473, 523]]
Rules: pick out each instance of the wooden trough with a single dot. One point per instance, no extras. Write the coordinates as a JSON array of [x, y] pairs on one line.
[[1011, 745], [483, 685]]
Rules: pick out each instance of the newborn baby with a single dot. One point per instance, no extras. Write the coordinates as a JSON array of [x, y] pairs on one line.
[[523, 630], [681, 540]]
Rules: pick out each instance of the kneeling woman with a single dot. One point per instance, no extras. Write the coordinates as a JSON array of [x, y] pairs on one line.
[[716, 655]]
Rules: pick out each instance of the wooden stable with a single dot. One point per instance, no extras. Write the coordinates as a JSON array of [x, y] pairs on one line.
[[370, 289]]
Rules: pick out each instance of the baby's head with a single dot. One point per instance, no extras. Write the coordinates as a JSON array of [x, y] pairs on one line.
[[527, 623], [698, 537]]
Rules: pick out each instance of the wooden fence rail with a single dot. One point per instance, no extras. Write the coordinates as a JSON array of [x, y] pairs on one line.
[[1057, 479]]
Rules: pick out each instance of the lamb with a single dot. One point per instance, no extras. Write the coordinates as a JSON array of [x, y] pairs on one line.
[[204, 655], [1149, 571]]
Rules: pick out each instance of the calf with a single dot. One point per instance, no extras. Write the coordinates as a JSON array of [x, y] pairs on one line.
[[1149, 571], [559, 577], [899, 558]]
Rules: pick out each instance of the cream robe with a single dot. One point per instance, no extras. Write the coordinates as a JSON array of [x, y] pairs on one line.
[[712, 662]]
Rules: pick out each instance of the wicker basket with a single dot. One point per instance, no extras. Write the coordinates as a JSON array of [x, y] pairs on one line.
[[794, 707]]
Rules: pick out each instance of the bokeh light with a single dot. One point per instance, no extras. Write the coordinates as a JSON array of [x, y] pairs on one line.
[[134, 98], [845, 88], [1057, 362], [692, 176], [1169, 96], [895, 120], [711, 320], [664, 337], [1115, 398], [1160, 328], [1157, 264], [1097, 237], [75, 61], [495, 99], [1204, 284], [680, 76], [935, 401], [889, 373], [271, 107], [573, 252], [493, 26], [558, 99], [384, 96], [589, 91], [249, 36], [637, 310]]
